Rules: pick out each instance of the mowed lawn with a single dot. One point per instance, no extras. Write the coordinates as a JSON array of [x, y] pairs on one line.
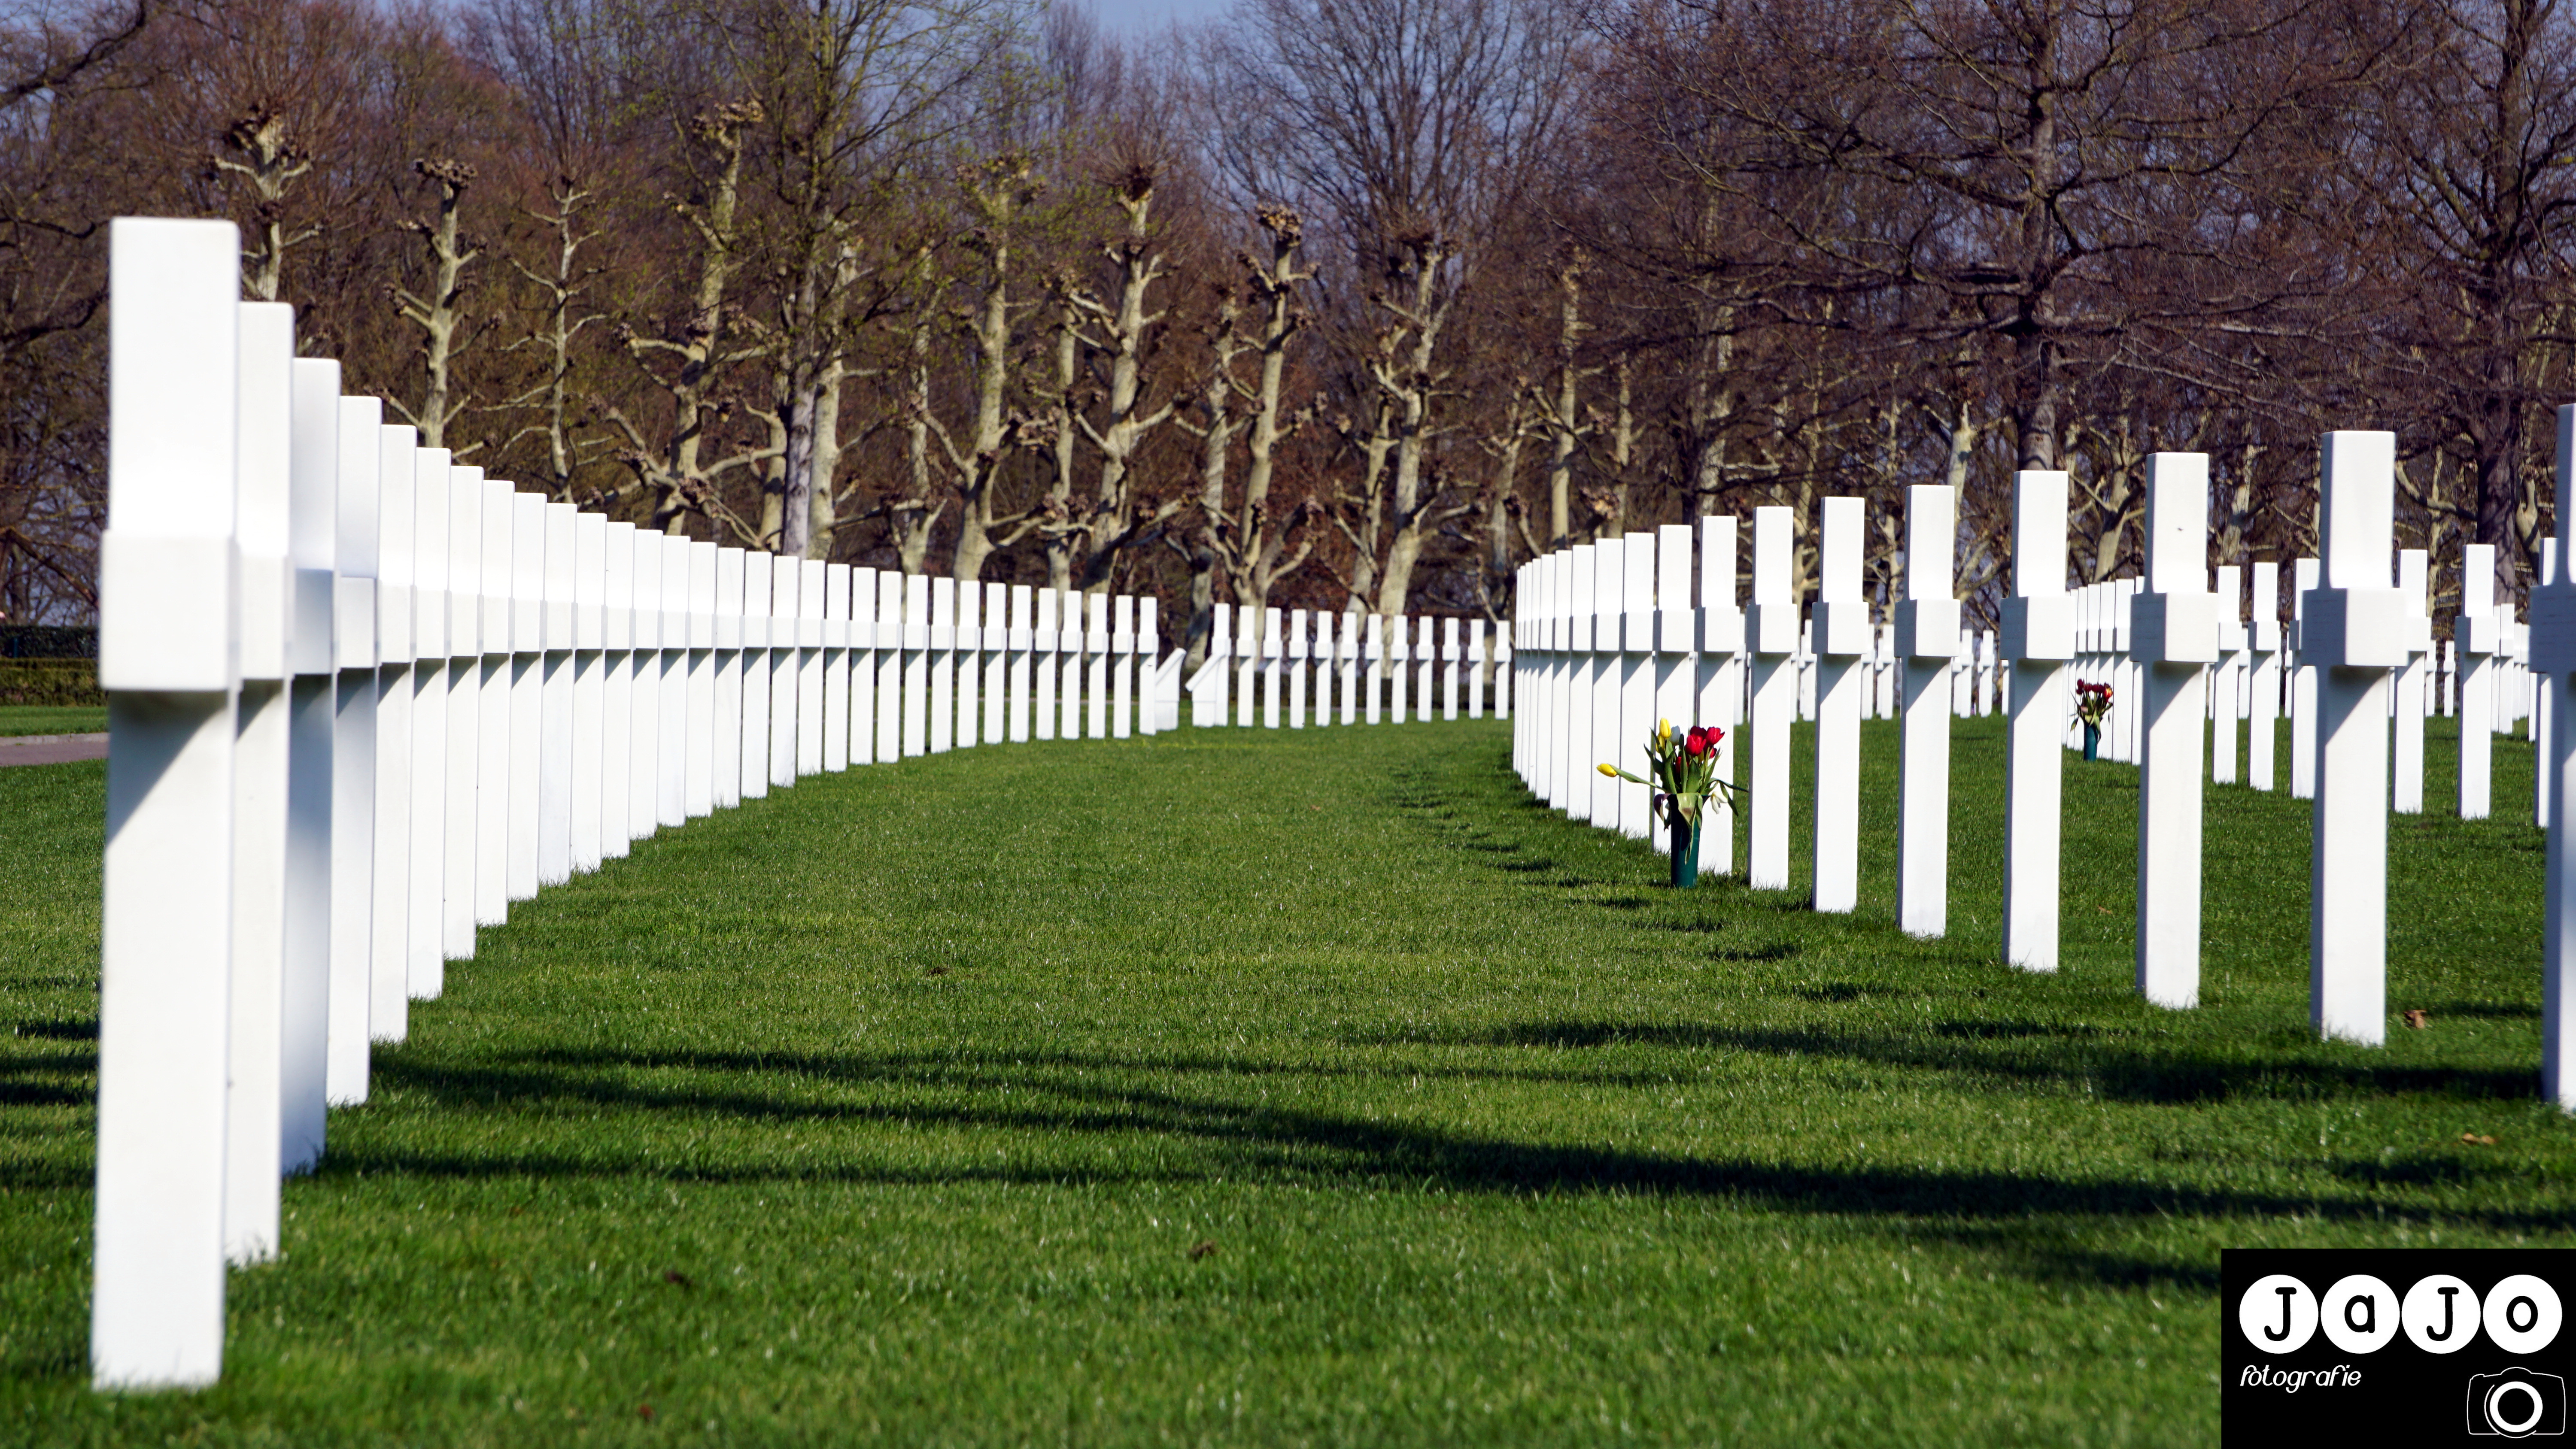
[[1305, 1087], [39, 719]]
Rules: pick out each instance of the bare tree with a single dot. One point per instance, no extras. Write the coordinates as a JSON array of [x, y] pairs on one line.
[[437, 311], [2462, 177], [1410, 127], [689, 364], [562, 317]]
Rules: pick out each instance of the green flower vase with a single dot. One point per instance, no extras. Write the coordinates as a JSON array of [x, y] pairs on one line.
[[1685, 849], [2092, 741]]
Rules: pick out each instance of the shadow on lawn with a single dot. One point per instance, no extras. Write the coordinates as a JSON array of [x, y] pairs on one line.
[[1060, 1097], [2024, 1051]]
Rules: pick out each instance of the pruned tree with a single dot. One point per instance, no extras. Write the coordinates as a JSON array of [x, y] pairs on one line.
[[1251, 542], [268, 159], [437, 310], [690, 363], [998, 193], [1412, 127], [562, 315], [1124, 332]]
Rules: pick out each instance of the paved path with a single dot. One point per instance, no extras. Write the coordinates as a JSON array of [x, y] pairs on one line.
[[50, 749]]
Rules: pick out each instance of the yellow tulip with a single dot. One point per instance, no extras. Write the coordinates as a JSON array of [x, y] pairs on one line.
[[1610, 770]]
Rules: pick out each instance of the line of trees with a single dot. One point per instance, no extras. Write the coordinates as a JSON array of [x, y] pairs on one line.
[[1333, 303]]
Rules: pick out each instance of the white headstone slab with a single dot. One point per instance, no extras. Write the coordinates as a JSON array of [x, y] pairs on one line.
[[1842, 640], [2174, 639], [167, 660], [2263, 690], [1926, 639], [2351, 632], [353, 765], [432, 468], [1774, 627], [258, 847]]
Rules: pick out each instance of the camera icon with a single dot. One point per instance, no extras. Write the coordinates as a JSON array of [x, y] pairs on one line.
[[2517, 1404]]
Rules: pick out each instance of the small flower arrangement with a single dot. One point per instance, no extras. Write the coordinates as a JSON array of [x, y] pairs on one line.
[[2092, 701], [1683, 766]]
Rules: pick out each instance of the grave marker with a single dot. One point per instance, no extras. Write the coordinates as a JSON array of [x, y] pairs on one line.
[[1774, 630], [2352, 634], [1636, 688], [1479, 661], [265, 430], [2412, 687], [1096, 637], [2040, 638], [389, 884], [2173, 636], [1717, 676], [1926, 641], [1347, 655], [555, 735], [1602, 701], [1582, 665], [312, 545], [943, 667], [1047, 648], [617, 693], [1843, 638], [676, 648], [589, 687], [1449, 660], [427, 970], [2303, 686], [2263, 714], [1426, 666], [1273, 680], [893, 646], [1247, 653], [748, 741], [806, 758], [1676, 670], [733, 626], [1122, 666], [2553, 659], [1207, 686], [168, 662], [526, 613], [836, 668], [970, 664], [2228, 680], [1297, 649]]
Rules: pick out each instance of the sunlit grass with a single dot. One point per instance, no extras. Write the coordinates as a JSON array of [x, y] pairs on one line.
[[1306, 1087], [45, 719]]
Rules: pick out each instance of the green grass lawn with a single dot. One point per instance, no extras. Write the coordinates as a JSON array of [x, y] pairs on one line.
[[1314, 1087], [44, 719]]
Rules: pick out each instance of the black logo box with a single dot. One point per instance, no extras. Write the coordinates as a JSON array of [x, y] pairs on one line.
[[2403, 1394]]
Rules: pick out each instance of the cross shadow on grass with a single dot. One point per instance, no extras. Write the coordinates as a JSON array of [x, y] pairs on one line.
[[2058, 1054], [1066, 1098]]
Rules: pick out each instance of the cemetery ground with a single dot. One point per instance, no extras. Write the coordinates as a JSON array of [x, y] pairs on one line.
[[38, 719], [1314, 1087]]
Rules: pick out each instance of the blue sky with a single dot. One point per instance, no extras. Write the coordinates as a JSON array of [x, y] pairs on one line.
[[1144, 17]]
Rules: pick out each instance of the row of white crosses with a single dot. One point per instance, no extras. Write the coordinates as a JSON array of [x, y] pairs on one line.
[[2259, 663], [1591, 613], [1289, 666], [362, 699]]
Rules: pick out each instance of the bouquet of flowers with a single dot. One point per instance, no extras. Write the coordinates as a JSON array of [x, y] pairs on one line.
[[1684, 767], [2092, 701]]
